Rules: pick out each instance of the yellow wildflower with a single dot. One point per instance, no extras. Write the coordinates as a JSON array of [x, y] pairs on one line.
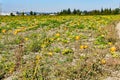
[[58, 34], [11, 70], [50, 53], [103, 61], [43, 45], [113, 49], [110, 43], [81, 47], [3, 31], [65, 28], [102, 35], [51, 39], [77, 37], [15, 32], [85, 46], [26, 39], [38, 57]]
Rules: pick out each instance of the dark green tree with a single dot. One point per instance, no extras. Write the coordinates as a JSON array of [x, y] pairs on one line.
[[11, 14], [78, 12], [74, 11], [110, 11], [85, 12], [68, 11], [116, 11], [64, 11], [22, 13], [102, 11], [34, 13], [31, 12]]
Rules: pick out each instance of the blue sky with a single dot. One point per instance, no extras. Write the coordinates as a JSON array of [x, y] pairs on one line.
[[56, 5]]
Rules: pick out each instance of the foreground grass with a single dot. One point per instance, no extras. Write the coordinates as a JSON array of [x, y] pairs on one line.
[[58, 47]]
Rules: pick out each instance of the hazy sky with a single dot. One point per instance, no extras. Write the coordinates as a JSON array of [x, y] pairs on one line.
[[56, 5]]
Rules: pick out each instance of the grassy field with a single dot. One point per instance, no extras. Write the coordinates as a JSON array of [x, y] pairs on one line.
[[58, 47]]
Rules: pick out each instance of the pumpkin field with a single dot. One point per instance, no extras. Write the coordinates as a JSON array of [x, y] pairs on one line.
[[59, 47]]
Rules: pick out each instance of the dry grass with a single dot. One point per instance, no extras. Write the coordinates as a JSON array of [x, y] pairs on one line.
[[53, 52]]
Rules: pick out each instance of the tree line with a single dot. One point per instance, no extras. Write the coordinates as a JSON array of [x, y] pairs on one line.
[[106, 11], [24, 13]]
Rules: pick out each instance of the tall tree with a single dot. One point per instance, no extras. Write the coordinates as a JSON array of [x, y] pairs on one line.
[[74, 11], [68, 11], [102, 11], [31, 12], [116, 11], [78, 12], [34, 13], [22, 13], [11, 14]]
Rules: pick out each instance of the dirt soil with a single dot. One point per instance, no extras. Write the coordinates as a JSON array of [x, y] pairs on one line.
[[118, 29], [116, 74]]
